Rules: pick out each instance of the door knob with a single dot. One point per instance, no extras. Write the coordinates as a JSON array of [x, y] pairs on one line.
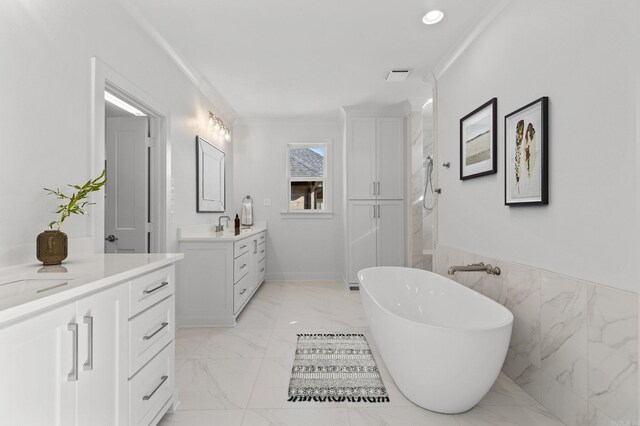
[[111, 238]]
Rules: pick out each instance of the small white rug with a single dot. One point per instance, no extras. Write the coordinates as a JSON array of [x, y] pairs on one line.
[[336, 368]]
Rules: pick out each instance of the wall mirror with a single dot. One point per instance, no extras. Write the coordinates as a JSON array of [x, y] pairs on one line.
[[210, 185]]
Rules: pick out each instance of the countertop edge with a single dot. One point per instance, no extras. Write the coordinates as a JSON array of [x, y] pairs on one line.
[[228, 238], [17, 313]]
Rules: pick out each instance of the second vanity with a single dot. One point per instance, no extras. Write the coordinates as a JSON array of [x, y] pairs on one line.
[[220, 273]]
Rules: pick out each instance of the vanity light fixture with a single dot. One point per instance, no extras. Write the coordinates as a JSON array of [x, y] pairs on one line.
[[216, 125], [433, 17]]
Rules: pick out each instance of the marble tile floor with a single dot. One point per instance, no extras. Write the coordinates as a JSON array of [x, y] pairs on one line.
[[239, 376]]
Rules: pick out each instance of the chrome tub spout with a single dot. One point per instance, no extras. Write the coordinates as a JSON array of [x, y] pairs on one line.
[[475, 267]]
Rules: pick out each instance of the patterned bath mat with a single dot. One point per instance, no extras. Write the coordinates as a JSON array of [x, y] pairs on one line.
[[335, 367]]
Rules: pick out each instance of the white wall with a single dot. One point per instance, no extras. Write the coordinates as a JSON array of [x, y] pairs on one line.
[[298, 248], [45, 86], [583, 55]]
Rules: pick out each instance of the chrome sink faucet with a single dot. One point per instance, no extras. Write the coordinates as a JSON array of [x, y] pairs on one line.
[[219, 227]]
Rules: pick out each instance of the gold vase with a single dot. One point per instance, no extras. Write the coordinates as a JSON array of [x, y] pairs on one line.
[[51, 247]]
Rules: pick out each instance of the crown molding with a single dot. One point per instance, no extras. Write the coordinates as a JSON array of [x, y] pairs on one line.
[[490, 13], [292, 121], [222, 108]]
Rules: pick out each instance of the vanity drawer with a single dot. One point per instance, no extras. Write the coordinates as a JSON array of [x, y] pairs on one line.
[[240, 267], [262, 250], [151, 388], [262, 270], [149, 332], [241, 291], [240, 247], [262, 237], [149, 289]]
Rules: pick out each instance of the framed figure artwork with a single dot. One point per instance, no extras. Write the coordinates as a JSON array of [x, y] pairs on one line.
[[526, 140]]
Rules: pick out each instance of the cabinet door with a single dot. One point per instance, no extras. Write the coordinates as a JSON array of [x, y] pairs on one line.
[[36, 359], [390, 235], [103, 353], [362, 237], [390, 158], [361, 158]]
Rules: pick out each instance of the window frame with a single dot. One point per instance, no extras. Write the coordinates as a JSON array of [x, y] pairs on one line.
[[326, 179]]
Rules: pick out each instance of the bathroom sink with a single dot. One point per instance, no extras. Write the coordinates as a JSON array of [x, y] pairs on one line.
[[25, 287]]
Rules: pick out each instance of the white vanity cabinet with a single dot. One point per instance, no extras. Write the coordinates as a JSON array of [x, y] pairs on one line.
[[151, 332], [66, 366], [219, 273], [80, 361]]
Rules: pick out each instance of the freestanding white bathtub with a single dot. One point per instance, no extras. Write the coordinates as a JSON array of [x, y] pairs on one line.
[[443, 344]]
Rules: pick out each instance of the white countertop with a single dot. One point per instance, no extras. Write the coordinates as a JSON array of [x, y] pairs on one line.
[[206, 233], [77, 276]]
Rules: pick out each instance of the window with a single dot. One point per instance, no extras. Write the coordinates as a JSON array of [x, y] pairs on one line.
[[307, 177]]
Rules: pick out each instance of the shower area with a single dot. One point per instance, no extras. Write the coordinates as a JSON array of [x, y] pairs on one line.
[[422, 186]]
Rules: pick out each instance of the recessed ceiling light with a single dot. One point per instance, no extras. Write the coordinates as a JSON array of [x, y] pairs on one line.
[[433, 17]]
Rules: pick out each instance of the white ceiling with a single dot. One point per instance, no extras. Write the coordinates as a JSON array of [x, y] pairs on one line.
[[302, 58]]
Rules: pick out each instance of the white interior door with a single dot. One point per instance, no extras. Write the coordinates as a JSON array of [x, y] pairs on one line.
[[362, 237], [126, 195], [390, 233]]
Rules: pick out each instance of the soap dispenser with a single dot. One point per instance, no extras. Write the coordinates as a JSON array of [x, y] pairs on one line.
[[236, 223]]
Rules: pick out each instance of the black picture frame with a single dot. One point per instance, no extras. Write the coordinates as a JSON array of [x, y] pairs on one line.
[[479, 141], [210, 177], [526, 155]]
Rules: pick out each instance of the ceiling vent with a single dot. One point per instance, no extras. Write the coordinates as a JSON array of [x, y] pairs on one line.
[[397, 75]]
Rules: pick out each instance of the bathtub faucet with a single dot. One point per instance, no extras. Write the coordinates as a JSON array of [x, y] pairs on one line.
[[475, 267]]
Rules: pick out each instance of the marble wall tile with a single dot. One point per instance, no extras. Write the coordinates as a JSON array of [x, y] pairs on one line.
[[574, 345], [613, 353], [495, 286], [563, 324], [472, 280], [523, 299], [598, 418], [562, 402]]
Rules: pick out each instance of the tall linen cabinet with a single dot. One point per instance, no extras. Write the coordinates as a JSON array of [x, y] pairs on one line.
[[375, 192]]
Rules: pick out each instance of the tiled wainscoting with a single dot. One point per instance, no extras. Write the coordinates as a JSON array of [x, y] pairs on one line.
[[574, 345]]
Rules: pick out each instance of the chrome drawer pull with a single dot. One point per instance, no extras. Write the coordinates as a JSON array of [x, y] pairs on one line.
[[73, 376], [164, 284], [162, 380], [243, 290], [261, 251], [164, 324], [88, 366], [244, 265], [261, 269], [243, 246]]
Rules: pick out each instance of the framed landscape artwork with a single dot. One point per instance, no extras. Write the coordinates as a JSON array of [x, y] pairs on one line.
[[479, 141], [526, 143]]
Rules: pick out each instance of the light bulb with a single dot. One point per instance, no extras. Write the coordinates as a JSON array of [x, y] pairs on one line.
[[227, 136], [433, 17]]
